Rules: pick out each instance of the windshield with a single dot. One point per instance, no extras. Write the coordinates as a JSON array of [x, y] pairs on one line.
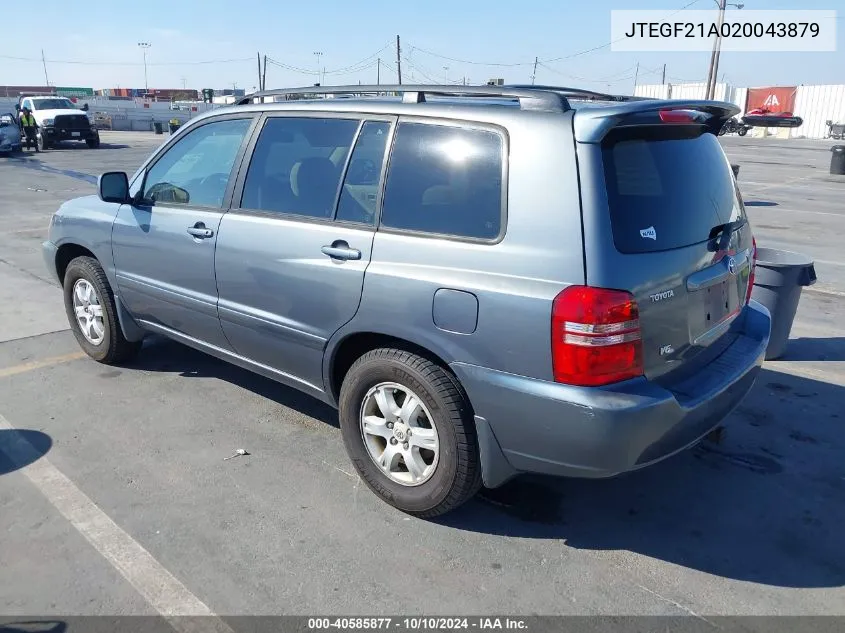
[[667, 190], [53, 104]]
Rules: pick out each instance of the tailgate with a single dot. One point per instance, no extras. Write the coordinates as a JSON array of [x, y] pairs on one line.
[[664, 220]]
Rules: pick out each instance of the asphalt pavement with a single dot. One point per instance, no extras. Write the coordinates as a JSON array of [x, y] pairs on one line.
[[115, 497]]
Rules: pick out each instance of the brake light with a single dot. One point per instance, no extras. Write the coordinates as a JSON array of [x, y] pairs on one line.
[[596, 337], [678, 116], [753, 266]]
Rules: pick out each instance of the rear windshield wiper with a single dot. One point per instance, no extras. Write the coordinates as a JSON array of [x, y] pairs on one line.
[[725, 229]]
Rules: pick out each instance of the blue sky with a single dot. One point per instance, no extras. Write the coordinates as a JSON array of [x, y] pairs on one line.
[[352, 35]]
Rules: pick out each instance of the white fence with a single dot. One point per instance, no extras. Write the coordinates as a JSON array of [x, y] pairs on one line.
[[129, 115], [815, 104]]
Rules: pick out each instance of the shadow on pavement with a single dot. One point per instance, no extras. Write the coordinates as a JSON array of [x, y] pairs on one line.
[[813, 348], [21, 447], [162, 355], [764, 505], [31, 162], [760, 203], [34, 626]]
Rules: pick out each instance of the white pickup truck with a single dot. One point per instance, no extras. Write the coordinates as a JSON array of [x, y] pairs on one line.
[[59, 119]]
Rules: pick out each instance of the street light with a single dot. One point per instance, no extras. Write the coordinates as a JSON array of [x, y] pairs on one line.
[[144, 46], [713, 73], [318, 55]]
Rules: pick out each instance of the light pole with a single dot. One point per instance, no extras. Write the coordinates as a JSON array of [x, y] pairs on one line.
[[318, 55], [713, 73], [144, 46]]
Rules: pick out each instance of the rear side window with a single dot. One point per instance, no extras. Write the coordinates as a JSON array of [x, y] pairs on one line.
[[667, 191], [445, 180], [297, 166]]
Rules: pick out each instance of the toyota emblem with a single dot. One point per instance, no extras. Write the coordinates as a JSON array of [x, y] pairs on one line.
[[731, 266]]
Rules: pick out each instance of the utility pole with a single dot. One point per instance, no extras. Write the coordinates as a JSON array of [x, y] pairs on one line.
[[636, 74], [144, 46], [44, 63], [258, 56], [398, 61], [534, 74], [714, 55], [445, 74], [378, 72], [663, 80], [264, 75]]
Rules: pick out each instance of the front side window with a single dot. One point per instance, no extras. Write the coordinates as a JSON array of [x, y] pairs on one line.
[[445, 180], [196, 170], [297, 166]]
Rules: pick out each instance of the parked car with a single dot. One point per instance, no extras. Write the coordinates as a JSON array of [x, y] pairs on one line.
[[485, 281], [59, 119], [10, 133]]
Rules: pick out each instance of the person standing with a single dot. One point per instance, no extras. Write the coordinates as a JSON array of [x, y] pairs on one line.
[[29, 127]]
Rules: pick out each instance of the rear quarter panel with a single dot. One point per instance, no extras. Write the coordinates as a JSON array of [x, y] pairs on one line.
[[514, 280]]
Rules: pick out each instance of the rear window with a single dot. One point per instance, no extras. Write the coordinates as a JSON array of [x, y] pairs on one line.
[[667, 189]]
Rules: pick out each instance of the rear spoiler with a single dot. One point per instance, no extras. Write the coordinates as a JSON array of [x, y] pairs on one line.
[[593, 123]]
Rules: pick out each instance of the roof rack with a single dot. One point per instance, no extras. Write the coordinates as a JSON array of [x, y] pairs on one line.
[[529, 97], [580, 93]]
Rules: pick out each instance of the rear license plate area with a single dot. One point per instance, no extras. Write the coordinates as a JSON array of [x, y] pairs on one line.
[[711, 307]]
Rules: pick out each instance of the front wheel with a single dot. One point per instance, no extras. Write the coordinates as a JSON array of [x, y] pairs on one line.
[[93, 143], [43, 143], [92, 314], [409, 432], [742, 131]]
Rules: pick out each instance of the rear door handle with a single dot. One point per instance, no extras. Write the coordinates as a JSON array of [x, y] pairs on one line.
[[341, 250], [199, 231]]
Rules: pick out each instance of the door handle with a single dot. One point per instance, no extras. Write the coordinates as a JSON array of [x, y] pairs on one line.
[[199, 231], [341, 250]]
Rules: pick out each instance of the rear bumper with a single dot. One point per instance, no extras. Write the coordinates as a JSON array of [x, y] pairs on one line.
[[530, 425]]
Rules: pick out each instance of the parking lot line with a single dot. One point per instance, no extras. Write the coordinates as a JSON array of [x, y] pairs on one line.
[[161, 589], [5, 372]]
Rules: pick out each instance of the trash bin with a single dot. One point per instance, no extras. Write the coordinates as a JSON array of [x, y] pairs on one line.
[[778, 279], [736, 170], [837, 160], [159, 128], [174, 125]]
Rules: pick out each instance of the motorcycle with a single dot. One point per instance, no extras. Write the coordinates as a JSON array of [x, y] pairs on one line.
[[732, 126]]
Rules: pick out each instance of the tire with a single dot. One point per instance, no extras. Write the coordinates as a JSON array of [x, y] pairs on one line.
[[742, 131], [42, 143], [456, 473], [113, 347], [93, 143]]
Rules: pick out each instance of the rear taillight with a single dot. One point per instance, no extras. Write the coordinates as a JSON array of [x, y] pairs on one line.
[[596, 336], [753, 266], [681, 116]]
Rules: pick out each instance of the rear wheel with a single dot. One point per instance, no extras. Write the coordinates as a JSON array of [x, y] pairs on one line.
[[742, 131], [408, 429], [92, 314]]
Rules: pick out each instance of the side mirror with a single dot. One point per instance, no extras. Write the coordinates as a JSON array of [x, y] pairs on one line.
[[85, 107], [113, 186], [17, 107]]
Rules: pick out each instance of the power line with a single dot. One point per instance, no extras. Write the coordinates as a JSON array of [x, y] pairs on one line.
[[542, 61], [90, 63]]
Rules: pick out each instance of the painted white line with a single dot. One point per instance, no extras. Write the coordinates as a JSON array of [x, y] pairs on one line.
[[778, 208], [161, 589], [823, 291]]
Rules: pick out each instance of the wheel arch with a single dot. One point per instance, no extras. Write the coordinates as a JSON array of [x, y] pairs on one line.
[[344, 350], [69, 251]]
